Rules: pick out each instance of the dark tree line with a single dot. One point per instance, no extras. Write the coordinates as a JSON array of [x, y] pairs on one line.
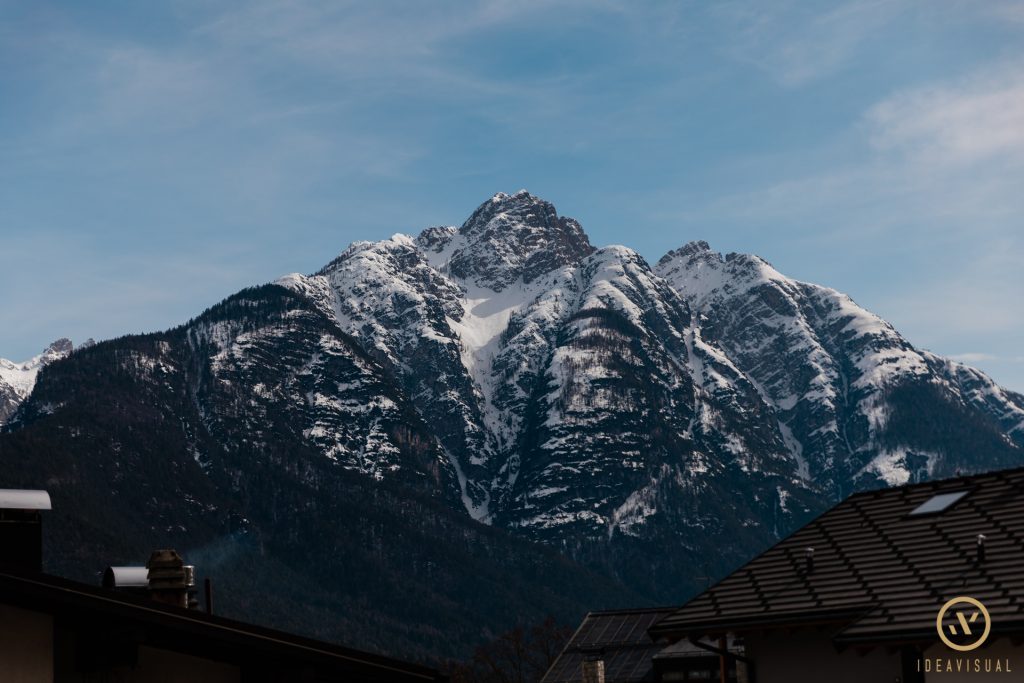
[[521, 655]]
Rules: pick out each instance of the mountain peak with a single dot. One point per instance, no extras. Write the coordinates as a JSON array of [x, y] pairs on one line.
[[500, 197], [513, 236], [18, 379], [59, 348], [529, 209], [698, 257], [690, 249]]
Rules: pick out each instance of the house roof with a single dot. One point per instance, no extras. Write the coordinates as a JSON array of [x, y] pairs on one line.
[[619, 637], [879, 571], [100, 611]]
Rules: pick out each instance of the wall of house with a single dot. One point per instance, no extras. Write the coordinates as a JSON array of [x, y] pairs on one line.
[[808, 656], [1002, 650], [82, 658], [158, 666], [152, 665], [26, 646]]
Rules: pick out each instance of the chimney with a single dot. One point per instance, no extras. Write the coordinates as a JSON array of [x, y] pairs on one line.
[[809, 559], [593, 668], [168, 579], [981, 547], [21, 529]]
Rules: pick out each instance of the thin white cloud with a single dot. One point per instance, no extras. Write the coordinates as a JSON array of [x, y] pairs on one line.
[[403, 40], [978, 119], [797, 43], [927, 182], [170, 90], [948, 158]]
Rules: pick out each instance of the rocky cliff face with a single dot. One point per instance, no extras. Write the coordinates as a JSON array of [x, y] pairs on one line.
[[854, 399], [570, 388], [503, 384], [285, 462], [18, 379]]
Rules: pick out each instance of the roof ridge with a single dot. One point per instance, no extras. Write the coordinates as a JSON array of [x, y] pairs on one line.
[[632, 610]]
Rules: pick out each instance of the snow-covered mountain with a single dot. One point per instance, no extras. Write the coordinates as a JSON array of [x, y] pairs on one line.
[[836, 375], [18, 379], [656, 424], [578, 392], [568, 386]]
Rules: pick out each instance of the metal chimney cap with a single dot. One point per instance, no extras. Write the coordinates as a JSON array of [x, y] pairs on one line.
[[24, 499]]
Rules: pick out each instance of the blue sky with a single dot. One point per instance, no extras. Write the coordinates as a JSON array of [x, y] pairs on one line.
[[154, 159]]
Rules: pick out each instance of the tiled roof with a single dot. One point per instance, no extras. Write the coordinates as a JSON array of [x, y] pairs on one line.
[[137, 620], [620, 637], [878, 569]]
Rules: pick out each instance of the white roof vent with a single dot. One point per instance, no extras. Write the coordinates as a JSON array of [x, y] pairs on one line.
[[21, 499], [126, 577]]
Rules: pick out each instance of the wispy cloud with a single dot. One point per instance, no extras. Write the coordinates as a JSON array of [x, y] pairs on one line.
[[840, 137], [977, 119], [923, 187], [951, 152], [383, 42], [798, 43]]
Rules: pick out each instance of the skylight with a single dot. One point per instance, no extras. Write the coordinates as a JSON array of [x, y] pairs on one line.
[[938, 503]]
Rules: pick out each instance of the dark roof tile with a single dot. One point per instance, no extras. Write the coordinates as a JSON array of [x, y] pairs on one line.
[[621, 638], [877, 568]]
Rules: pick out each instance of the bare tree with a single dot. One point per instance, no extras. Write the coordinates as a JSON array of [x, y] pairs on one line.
[[518, 656]]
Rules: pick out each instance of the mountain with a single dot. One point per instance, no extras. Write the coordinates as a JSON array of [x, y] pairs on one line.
[[858, 405], [559, 380], [18, 379], [266, 446], [482, 424]]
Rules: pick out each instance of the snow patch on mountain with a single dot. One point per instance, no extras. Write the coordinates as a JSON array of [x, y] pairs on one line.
[[515, 311], [480, 329], [22, 376], [18, 379], [892, 465], [826, 365]]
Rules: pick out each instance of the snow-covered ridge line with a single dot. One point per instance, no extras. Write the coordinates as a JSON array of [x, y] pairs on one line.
[[559, 378], [824, 363], [18, 379]]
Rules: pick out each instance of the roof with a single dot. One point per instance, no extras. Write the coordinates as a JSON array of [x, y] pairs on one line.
[[198, 633], [620, 637], [684, 649], [879, 572]]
